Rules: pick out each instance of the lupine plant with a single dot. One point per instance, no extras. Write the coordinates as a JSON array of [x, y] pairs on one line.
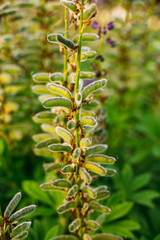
[[70, 123], [11, 225]]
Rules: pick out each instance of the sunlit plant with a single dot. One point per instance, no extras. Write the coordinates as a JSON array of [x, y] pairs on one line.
[[69, 125]]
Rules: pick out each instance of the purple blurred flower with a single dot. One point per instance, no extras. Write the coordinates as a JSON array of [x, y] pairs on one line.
[[110, 25], [110, 42], [100, 57], [95, 25], [104, 31]]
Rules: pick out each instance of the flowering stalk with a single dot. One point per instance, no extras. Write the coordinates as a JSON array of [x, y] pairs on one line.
[[69, 138]]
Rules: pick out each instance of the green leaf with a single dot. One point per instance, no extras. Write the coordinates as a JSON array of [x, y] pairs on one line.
[[144, 197], [91, 88], [139, 182], [58, 102], [52, 233], [157, 237]]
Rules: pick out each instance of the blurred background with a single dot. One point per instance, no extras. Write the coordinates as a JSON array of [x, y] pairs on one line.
[[129, 56]]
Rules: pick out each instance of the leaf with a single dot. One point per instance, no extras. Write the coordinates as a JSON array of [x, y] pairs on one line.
[[99, 158], [144, 197], [74, 225], [22, 213], [12, 204], [33, 190], [64, 134], [139, 182], [58, 102], [91, 88], [52, 232], [61, 147], [57, 77], [96, 168], [60, 90], [104, 236], [41, 77], [157, 237]]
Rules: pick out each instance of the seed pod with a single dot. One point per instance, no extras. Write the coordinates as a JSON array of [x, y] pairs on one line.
[[86, 237], [52, 38], [23, 4], [95, 149], [57, 102], [41, 77], [78, 99], [92, 224], [96, 168], [5, 5], [88, 121], [41, 137], [18, 230], [90, 192], [60, 90], [101, 188], [46, 143], [85, 175], [91, 88], [75, 225], [90, 12], [45, 97], [12, 204], [98, 207], [84, 209], [105, 236], [40, 89], [99, 158], [102, 195], [71, 125], [73, 190], [57, 77], [111, 172], [87, 113], [49, 187], [85, 143], [70, 5], [76, 153], [23, 235], [63, 133], [8, 12], [60, 39], [48, 128], [87, 37], [61, 147], [66, 207], [68, 169], [101, 218], [22, 213], [87, 75], [46, 153], [49, 167], [44, 116], [61, 183], [92, 104], [65, 237], [91, 54]]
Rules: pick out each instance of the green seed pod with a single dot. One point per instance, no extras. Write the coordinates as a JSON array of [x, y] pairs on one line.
[[98, 207], [12, 204], [41, 77], [23, 235], [49, 167], [87, 75], [24, 4], [70, 5], [99, 158], [66, 207], [85, 143], [44, 97], [44, 116], [87, 113], [5, 5], [95, 149], [46, 143], [71, 125], [86, 237], [18, 230], [84, 209], [64, 134], [75, 225], [78, 99], [96, 168], [61, 147], [48, 128], [59, 119], [102, 195], [90, 192], [61, 183], [41, 137], [101, 188], [41, 89], [91, 88], [65, 42], [104, 236], [85, 175], [60, 90], [22, 213], [76, 153], [92, 224], [8, 12], [111, 172], [65, 237], [45, 152], [57, 77], [52, 38], [90, 12], [58, 102], [88, 121], [101, 218], [91, 54], [68, 169], [92, 104], [87, 37], [73, 190], [49, 187]]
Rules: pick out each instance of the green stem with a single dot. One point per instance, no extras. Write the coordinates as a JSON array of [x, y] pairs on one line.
[[65, 50]]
